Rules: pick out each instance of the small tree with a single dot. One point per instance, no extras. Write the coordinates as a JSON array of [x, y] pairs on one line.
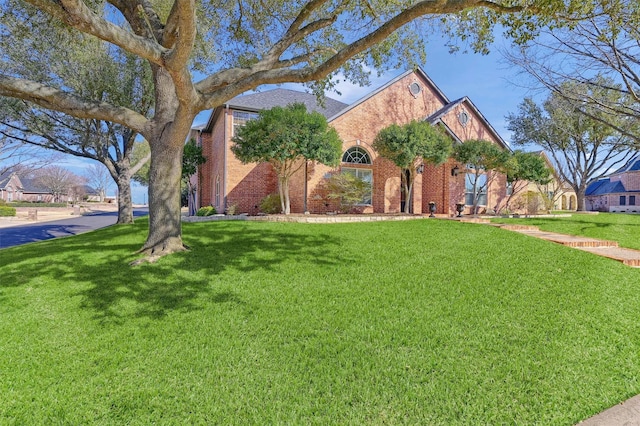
[[410, 144], [522, 168], [191, 158], [348, 189], [482, 158], [287, 138]]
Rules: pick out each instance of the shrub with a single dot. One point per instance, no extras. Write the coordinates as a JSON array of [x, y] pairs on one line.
[[206, 211], [7, 211], [271, 204], [231, 209], [348, 189]]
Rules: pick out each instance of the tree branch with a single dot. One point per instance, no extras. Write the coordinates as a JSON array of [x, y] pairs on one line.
[[76, 14], [58, 100]]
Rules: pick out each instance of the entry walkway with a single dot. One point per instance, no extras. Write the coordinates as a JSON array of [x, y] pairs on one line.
[[604, 248]]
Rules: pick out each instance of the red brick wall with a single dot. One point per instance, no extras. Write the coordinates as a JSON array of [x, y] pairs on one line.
[[247, 184]]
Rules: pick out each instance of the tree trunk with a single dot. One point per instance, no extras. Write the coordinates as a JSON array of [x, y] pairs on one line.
[[284, 192], [165, 231], [580, 194], [125, 207]]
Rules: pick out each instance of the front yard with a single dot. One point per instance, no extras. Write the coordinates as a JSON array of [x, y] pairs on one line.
[[415, 322]]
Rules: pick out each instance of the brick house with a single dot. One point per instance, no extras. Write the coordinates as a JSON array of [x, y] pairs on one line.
[[224, 181], [618, 192]]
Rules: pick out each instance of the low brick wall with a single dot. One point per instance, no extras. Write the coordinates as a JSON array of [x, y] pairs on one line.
[[300, 218]]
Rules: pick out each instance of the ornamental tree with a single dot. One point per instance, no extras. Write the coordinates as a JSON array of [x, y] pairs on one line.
[[201, 54], [525, 167], [483, 159], [410, 145], [287, 138], [191, 159]]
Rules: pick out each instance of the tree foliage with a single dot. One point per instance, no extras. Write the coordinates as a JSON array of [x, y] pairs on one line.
[[191, 159], [89, 68], [234, 47], [483, 159], [287, 138], [583, 146], [348, 189], [409, 145], [524, 168]]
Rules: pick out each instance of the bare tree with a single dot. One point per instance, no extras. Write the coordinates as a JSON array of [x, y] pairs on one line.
[[601, 53], [97, 176], [58, 181]]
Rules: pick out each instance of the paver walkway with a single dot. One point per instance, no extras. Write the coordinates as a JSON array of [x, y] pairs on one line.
[[604, 248]]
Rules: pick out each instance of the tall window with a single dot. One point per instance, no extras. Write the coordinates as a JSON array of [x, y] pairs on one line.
[[632, 200], [481, 189], [366, 175], [509, 188], [358, 155], [623, 200], [240, 118]]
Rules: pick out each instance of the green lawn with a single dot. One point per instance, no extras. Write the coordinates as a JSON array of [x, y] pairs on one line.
[[623, 228], [418, 322]]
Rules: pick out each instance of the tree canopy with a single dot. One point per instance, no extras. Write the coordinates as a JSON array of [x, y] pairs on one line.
[[287, 138], [482, 158], [202, 54], [410, 144]]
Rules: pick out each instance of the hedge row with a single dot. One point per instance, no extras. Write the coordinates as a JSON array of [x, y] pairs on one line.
[[7, 211]]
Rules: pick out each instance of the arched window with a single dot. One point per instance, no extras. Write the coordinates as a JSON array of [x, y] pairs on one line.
[[356, 155]]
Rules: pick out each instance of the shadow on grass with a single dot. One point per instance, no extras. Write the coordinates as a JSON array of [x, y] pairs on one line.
[[95, 266]]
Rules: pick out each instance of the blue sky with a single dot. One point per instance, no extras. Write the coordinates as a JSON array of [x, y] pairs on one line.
[[493, 86]]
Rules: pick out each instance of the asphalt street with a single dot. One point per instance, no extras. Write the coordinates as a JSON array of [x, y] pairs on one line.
[[32, 232]]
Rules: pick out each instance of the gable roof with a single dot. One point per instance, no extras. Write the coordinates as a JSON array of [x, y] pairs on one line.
[[438, 115], [418, 71], [4, 178]]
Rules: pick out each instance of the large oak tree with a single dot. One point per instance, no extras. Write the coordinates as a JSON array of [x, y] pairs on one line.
[[235, 46]]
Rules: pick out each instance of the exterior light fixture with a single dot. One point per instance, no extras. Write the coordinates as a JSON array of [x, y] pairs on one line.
[[455, 170], [420, 169], [432, 208]]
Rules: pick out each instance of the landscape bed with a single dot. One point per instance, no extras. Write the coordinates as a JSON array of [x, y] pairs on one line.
[[414, 322]]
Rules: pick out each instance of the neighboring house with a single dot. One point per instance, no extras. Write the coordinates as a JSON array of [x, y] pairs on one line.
[[223, 181], [10, 187], [619, 192], [555, 195], [13, 187], [35, 193]]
